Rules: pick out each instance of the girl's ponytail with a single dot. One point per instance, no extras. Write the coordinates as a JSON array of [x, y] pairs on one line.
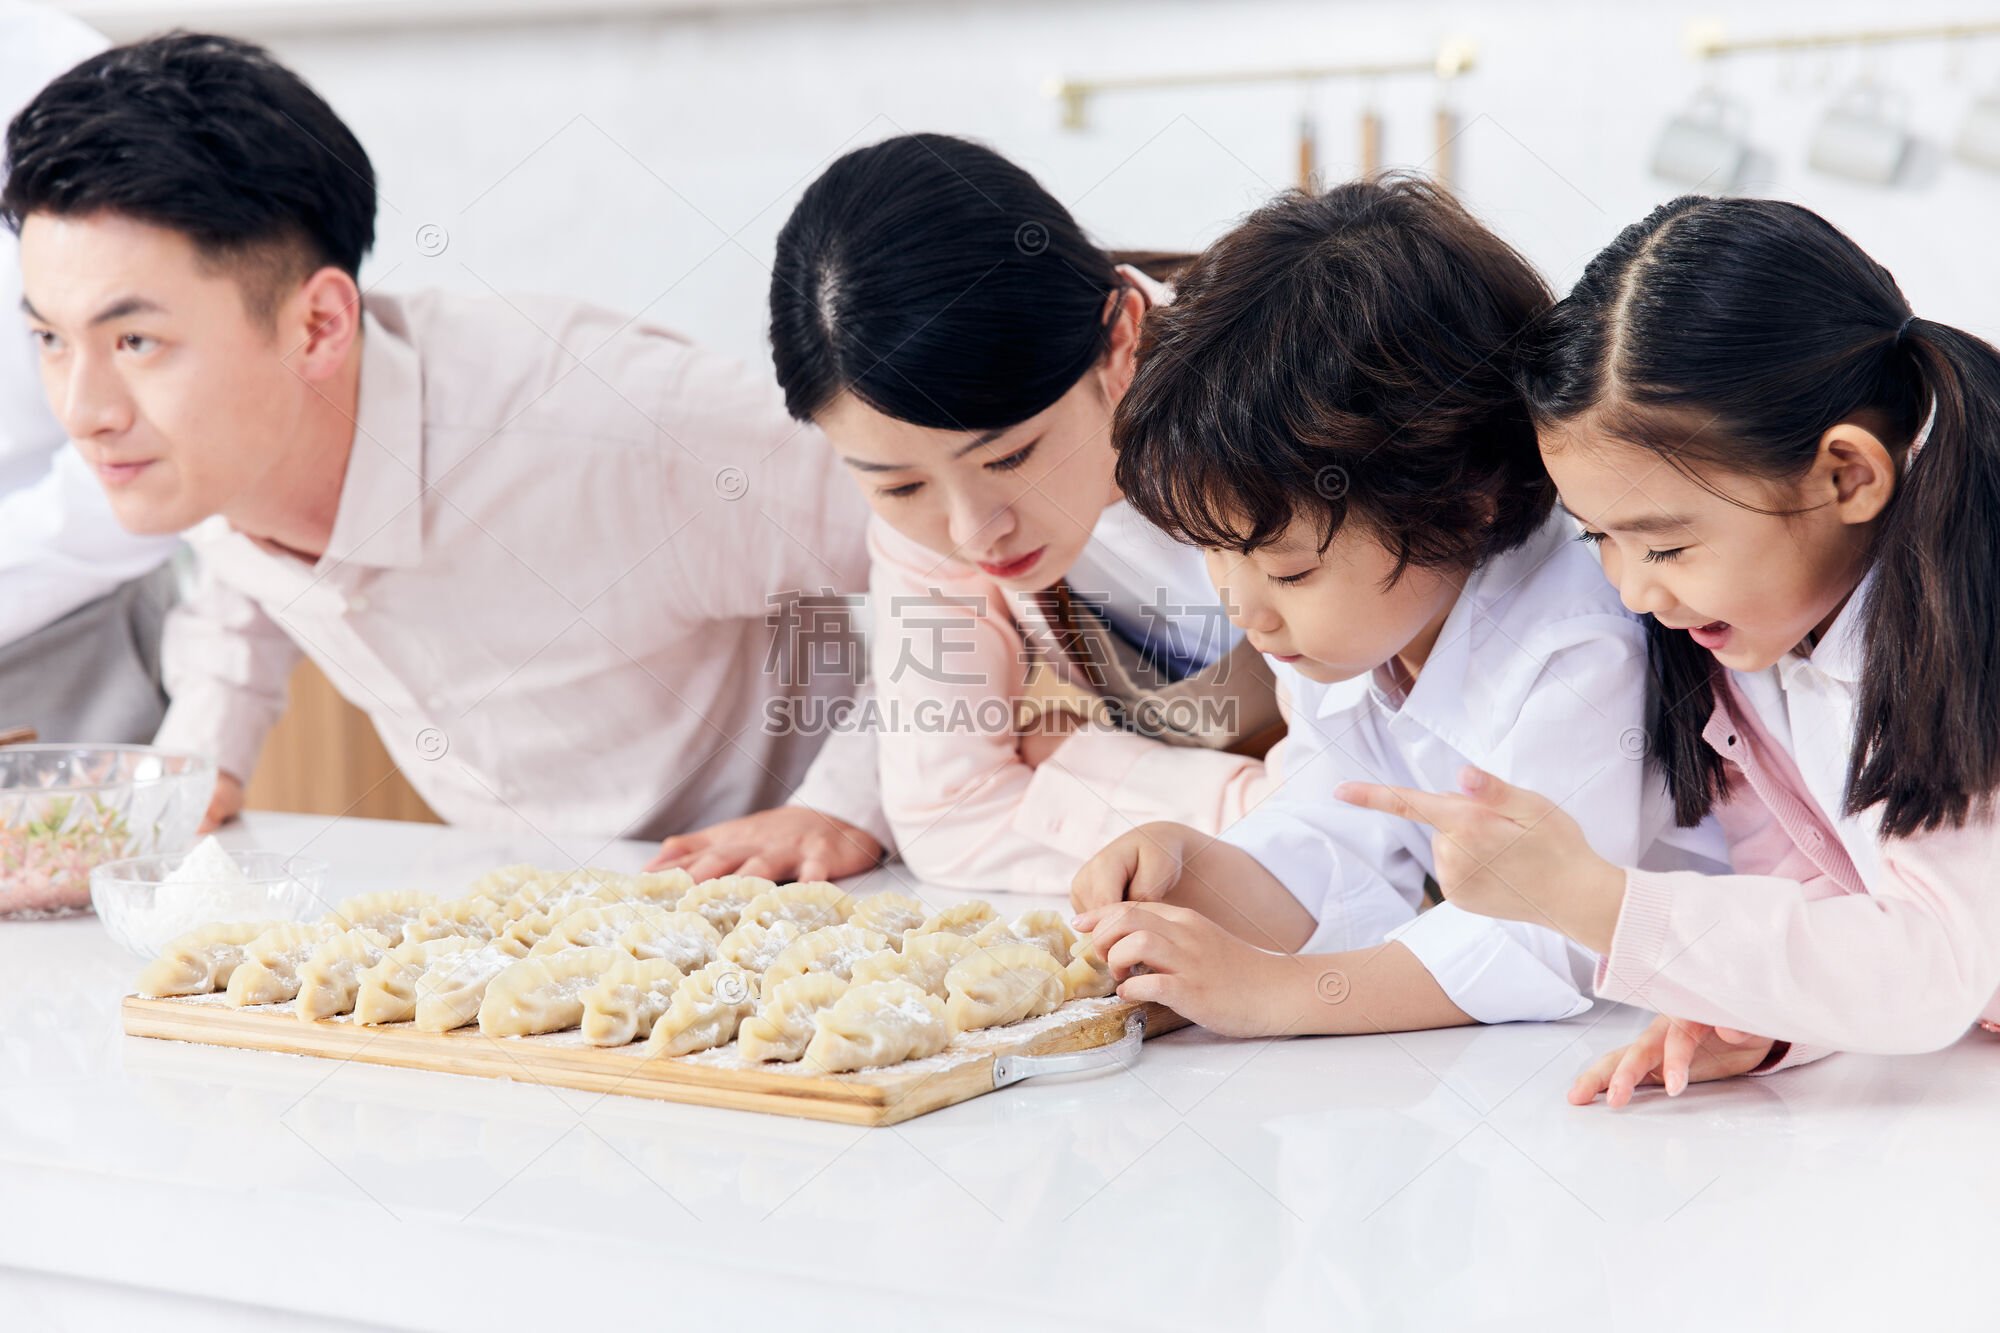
[[1927, 735]]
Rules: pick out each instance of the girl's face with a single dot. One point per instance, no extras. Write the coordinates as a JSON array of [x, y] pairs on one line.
[[1333, 615], [1021, 502], [1749, 586]]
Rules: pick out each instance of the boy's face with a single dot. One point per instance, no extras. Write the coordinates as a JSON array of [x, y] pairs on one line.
[[1332, 615], [176, 394]]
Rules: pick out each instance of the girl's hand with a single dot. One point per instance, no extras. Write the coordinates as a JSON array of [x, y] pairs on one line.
[[1143, 865], [1673, 1053], [1507, 852], [785, 843], [1183, 960]]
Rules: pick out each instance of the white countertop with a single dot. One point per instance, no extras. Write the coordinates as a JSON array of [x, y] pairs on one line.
[[1424, 1180]]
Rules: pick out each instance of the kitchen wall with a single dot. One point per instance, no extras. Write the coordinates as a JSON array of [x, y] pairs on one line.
[[647, 162]]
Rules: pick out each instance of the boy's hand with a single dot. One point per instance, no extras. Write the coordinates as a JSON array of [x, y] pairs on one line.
[[1183, 960], [1673, 1053], [785, 843], [1143, 866]]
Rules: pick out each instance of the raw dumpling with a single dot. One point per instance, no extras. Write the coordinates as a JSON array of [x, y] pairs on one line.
[[809, 905], [596, 926], [659, 888], [1003, 983], [705, 1011], [629, 999], [1043, 928], [543, 994], [722, 900], [499, 885], [454, 985], [923, 962], [470, 918], [782, 1026], [959, 919], [386, 913], [889, 914], [201, 960], [881, 1023], [390, 991], [330, 977], [684, 939], [834, 949], [269, 972], [1088, 976], [753, 947]]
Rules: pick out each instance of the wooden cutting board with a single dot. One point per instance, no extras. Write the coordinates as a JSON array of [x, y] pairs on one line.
[[961, 1072]]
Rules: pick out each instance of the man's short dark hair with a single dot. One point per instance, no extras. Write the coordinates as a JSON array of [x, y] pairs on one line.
[[206, 136], [1346, 355]]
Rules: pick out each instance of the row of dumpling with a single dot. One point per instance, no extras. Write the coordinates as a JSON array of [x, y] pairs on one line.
[[626, 957]]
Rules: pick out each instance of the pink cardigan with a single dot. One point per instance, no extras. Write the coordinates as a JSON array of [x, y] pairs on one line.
[[1795, 945]]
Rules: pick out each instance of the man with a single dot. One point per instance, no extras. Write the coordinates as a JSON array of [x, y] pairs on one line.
[[81, 600], [542, 546]]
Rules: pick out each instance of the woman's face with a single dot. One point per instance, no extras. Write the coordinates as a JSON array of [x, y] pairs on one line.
[[1021, 502]]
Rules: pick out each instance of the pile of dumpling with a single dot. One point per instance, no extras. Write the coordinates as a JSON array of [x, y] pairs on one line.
[[788, 972]]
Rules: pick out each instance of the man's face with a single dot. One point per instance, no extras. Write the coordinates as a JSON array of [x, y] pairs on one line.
[[172, 389]]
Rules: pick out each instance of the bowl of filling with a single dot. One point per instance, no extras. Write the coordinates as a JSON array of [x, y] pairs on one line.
[[148, 902], [67, 809]]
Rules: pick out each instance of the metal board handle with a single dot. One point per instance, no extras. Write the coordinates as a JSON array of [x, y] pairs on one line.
[[1013, 1068]]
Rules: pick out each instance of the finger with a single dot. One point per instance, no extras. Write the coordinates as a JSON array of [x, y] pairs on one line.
[[1499, 795], [1639, 1060], [715, 862], [775, 868], [1738, 1037], [1154, 873], [1426, 807], [1677, 1056], [815, 866], [1102, 879], [1112, 924], [1595, 1079], [1156, 987], [1142, 948]]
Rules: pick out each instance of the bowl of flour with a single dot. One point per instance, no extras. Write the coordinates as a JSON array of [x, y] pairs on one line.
[[147, 902]]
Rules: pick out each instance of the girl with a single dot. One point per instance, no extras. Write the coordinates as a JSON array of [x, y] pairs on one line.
[[946, 324], [1328, 411], [1733, 403]]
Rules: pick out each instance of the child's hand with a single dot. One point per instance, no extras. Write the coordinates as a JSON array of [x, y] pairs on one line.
[[225, 804], [1143, 865], [1503, 851], [784, 843], [1671, 1052], [1180, 958]]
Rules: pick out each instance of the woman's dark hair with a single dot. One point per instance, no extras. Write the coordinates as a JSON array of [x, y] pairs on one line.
[[206, 136], [1731, 334], [941, 285], [1338, 355]]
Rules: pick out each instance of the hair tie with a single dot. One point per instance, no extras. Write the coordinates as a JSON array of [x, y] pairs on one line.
[[1903, 330]]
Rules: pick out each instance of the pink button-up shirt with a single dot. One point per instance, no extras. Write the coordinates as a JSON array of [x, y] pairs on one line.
[[1828, 937], [556, 582]]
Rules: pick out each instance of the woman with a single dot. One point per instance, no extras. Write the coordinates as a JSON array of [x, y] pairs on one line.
[[1049, 670]]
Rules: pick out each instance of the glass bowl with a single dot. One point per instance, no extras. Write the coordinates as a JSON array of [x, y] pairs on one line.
[[126, 895], [65, 809]]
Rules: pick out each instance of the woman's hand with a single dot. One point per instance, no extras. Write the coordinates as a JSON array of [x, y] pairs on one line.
[[225, 804], [786, 843], [1183, 960], [1507, 852], [1143, 865], [1673, 1053]]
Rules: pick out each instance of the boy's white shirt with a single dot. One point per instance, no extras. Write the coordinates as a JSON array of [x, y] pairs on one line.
[[1539, 677]]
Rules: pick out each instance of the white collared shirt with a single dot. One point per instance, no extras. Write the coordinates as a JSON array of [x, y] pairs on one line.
[[1538, 677], [550, 582], [60, 545]]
